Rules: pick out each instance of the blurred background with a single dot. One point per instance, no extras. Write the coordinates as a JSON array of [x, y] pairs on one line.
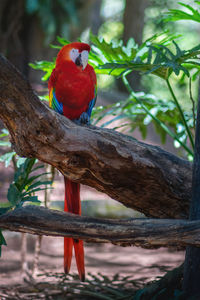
[[27, 28]]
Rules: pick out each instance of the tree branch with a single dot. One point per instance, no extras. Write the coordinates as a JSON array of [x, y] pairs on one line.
[[139, 232], [140, 176]]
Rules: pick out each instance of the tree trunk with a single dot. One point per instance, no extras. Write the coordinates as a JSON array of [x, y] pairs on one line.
[[12, 32], [133, 20], [96, 19], [191, 282]]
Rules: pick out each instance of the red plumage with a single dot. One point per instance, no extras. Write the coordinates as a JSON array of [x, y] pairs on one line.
[[72, 92]]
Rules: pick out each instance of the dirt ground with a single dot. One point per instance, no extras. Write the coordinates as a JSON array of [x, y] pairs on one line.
[[107, 259], [104, 258]]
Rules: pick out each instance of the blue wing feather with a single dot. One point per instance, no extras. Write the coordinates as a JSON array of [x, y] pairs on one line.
[[92, 103], [55, 104]]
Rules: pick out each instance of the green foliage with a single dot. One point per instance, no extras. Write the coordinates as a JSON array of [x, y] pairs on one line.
[[177, 14], [2, 241], [25, 184], [133, 116], [4, 142], [9, 156], [45, 66], [4, 138], [23, 188], [156, 58], [115, 58]]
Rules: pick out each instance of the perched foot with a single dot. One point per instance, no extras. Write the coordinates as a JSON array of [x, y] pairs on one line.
[[83, 119]]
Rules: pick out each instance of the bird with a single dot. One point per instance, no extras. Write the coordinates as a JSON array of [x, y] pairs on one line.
[[72, 92]]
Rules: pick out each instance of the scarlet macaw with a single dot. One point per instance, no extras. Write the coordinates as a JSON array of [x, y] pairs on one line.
[[72, 92]]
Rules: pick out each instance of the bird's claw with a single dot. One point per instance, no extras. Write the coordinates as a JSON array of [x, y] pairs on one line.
[[83, 119]]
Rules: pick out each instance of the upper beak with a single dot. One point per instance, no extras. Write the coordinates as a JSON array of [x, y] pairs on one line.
[[82, 59]]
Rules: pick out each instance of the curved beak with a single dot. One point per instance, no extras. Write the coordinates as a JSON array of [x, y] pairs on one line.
[[82, 59], [78, 60]]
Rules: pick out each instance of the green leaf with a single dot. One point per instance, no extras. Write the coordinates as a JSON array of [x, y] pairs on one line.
[[3, 210], [25, 185], [2, 241], [4, 133], [33, 199], [20, 161], [7, 157], [5, 144], [62, 41], [13, 194], [33, 178], [177, 14], [45, 66], [150, 57], [39, 183], [34, 191], [5, 205]]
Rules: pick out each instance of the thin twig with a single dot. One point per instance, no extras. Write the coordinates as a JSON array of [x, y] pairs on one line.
[[181, 113], [193, 103]]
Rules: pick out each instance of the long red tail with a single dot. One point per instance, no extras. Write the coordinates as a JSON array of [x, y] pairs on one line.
[[73, 204]]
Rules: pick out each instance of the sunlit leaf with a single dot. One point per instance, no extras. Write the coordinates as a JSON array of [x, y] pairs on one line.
[[7, 158]]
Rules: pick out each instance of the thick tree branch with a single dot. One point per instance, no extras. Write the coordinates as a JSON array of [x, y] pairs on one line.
[[139, 232], [138, 175]]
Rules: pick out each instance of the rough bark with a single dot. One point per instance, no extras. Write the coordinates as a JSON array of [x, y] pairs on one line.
[[191, 281], [140, 176], [139, 232]]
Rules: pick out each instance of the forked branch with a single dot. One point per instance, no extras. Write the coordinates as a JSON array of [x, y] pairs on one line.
[[140, 176]]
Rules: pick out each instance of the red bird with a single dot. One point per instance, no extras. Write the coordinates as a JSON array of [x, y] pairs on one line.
[[72, 92]]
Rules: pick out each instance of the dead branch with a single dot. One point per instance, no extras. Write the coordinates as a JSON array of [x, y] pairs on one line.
[[139, 232], [140, 176]]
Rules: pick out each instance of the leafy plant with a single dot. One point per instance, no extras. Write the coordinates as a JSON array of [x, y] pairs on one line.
[[25, 183], [177, 14], [134, 116], [10, 155], [154, 58], [151, 57]]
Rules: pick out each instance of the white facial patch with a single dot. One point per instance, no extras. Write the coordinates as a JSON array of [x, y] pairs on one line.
[[84, 58], [74, 53]]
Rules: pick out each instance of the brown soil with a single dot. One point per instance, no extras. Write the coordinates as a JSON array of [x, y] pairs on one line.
[[104, 258]]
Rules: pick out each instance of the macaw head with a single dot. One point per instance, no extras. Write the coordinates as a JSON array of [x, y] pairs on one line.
[[76, 52]]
